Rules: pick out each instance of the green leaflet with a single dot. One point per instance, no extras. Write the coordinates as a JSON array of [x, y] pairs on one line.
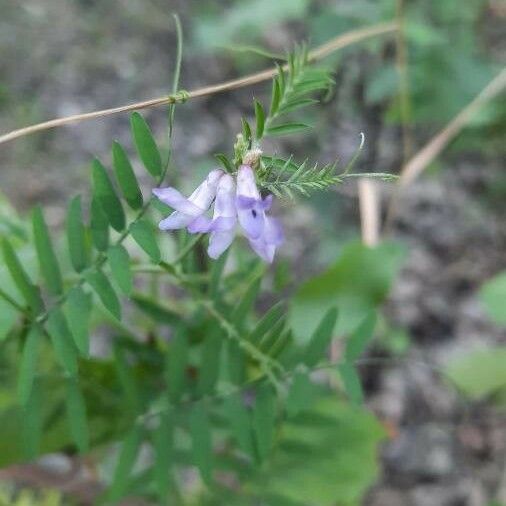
[[266, 323], [210, 362], [76, 415], [76, 236], [301, 394], [126, 177], [99, 225], [144, 236], [202, 449], [146, 145], [119, 262], [61, 339], [48, 263], [128, 382], [29, 291], [163, 441], [264, 418], [260, 120], [28, 364], [320, 339], [216, 275], [104, 194], [31, 424], [286, 128], [360, 337], [245, 304], [154, 310], [351, 382], [240, 421], [103, 288], [77, 310], [126, 460], [177, 358]]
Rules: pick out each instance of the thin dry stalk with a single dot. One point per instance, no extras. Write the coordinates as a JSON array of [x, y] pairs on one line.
[[438, 143], [369, 211], [322, 51]]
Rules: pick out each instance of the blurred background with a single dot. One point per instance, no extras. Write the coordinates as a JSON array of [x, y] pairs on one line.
[[436, 376]]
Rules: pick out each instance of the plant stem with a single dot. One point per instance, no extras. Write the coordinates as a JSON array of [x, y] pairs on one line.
[[322, 51]]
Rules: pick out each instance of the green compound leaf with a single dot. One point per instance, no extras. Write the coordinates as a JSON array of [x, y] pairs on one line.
[[77, 310], [146, 145], [76, 236], [76, 415], [119, 262], [126, 177], [48, 263], [28, 364], [29, 291], [266, 323], [144, 236], [61, 339], [128, 381], [103, 288], [105, 195], [321, 338], [177, 358], [202, 449]]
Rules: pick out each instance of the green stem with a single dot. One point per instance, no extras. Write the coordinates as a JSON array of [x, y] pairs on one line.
[[12, 302]]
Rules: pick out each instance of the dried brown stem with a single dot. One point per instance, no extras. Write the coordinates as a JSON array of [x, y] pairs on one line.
[[317, 54], [418, 163]]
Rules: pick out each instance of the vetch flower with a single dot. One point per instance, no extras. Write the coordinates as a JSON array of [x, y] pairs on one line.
[[187, 210], [232, 204], [223, 224]]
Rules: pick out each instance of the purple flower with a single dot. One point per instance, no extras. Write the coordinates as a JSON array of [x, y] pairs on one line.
[[264, 233], [187, 210], [244, 205]]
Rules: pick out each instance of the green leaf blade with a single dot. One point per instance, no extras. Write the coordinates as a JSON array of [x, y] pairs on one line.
[[144, 236], [286, 129], [146, 145], [103, 288], [202, 449], [76, 236], [321, 338], [28, 364], [76, 415], [77, 310], [105, 195], [61, 339], [48, 263], [126, 177], [119, 262]]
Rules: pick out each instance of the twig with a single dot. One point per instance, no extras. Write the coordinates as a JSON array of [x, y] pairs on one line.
[[437, 144], [369, 211], [333, 45]]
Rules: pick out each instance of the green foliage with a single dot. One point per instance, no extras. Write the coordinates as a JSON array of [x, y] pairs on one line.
[[198, 375], [493, 297], [480, 374], [356, 283]]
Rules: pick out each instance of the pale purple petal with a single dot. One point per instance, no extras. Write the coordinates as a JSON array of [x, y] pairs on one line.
[[219, 242], [175, 221], [263, 249], [222, 224], [273, 232], [200, 224], [246, 184], [177, 201], [267, 202], [252, 221], [244, 202], [204, 195]]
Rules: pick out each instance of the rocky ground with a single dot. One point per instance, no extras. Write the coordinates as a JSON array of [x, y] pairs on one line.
[[61, 57]]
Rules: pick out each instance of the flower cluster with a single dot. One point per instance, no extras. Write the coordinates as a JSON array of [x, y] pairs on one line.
[[235, 202]]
